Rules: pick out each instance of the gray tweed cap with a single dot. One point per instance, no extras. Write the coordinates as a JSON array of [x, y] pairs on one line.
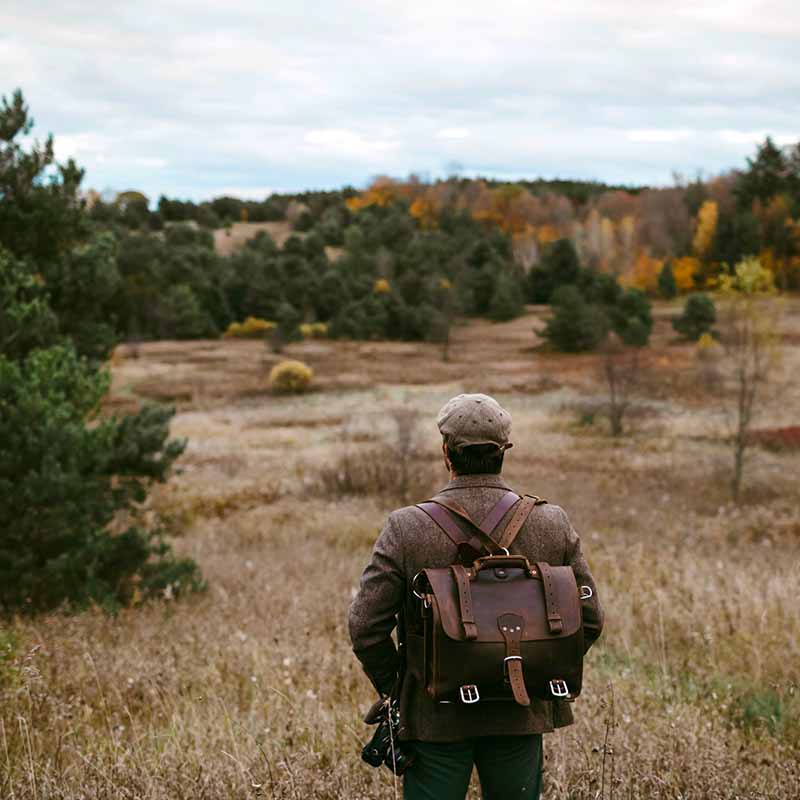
[[470, 419]]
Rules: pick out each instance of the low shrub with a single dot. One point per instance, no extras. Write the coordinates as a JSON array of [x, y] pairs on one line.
[[314, 330], [290, 377], [575, 325], [251, 328], [391, 468], [698, 317], [378, 471]]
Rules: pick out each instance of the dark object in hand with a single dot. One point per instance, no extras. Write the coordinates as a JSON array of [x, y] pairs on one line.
[[384, 747]]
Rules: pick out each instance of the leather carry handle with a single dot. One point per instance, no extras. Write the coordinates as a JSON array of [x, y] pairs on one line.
[[491, 562]]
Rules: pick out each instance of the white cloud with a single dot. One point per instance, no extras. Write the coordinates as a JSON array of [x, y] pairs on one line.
[[243, 192], [452, 133], [756, 137], [191, 101], [658, 136], [348, 144]]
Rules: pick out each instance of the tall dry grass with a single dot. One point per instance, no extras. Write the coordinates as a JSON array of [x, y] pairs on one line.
[[250, 689]]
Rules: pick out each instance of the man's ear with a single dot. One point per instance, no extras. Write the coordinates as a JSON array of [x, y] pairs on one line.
[[446, 457]]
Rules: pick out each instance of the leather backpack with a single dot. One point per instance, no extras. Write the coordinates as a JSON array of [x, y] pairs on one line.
[[494, 626]]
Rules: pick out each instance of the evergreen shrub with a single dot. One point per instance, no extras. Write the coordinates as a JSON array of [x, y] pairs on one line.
[[66, 486], [576, 325], [698, 317]]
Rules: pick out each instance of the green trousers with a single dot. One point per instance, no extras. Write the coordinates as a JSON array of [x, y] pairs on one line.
[[508, 766]]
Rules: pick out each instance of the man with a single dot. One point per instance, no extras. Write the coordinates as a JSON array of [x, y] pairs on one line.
[[503, 740]]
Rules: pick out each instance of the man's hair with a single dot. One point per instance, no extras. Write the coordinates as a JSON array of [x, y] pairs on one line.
[[477, 459]]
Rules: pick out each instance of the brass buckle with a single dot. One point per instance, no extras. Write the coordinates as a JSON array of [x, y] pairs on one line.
[[469, 694]]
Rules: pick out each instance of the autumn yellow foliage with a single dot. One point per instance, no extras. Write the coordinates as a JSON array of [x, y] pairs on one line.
[[644, 273], [547, 233], [251, 328], [684, 269], [314, 330], [382, 192], [382, 286], [424, 211], [706, 228], [290, 377]]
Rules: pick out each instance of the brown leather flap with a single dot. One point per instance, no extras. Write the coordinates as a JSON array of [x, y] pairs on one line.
[[506, 590]]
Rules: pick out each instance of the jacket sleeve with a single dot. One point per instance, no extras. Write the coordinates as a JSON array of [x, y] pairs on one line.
[[374, 610], [591, 610]]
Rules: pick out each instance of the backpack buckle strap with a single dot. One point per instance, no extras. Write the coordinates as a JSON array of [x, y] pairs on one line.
[[554, 622], [512, 626], [465, 601]]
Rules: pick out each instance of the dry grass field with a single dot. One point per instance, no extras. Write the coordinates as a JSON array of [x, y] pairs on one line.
[[249, 689]]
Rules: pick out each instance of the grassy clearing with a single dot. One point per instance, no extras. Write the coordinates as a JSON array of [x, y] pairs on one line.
[[250, 689]]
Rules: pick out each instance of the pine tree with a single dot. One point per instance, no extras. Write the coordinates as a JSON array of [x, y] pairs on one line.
[[667, 287], [506, 302], [66, 473], [575, 325]]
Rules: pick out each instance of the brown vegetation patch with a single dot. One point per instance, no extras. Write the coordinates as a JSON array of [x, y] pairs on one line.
[[777, 439], [229, 240]]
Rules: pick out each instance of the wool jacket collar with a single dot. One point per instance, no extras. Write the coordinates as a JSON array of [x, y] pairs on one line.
[[490, 481]]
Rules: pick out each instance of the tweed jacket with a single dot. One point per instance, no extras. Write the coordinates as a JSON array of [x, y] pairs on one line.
[[411, 541]]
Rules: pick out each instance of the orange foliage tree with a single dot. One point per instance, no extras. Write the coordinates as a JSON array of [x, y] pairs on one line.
[[684, 270]]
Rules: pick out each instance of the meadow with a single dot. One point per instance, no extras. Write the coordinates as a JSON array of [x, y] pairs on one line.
[[249, 689]]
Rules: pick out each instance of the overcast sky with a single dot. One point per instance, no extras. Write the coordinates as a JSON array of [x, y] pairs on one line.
[[243, 97]]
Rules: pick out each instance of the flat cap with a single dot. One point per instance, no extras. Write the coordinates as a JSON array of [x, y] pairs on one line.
[[470, 419]]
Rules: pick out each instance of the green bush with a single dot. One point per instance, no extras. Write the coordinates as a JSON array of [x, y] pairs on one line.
[[698, 317], [506, 300], [63, 483], [72, 482], [182, 315], [559, 266], [631, 318], [667, 287], [576, 325]]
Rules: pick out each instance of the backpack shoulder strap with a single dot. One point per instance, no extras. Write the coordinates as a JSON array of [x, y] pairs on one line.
[[456, 535], [485, 529], [526, 505]]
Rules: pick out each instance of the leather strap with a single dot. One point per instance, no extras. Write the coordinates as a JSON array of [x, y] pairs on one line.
[[512, 626], [554, 622], [465, 601], [516, 522], [493, 518], [486, 528], [469, 547]]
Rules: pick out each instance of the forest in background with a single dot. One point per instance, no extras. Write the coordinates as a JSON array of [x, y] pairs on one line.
[[401, 258]]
